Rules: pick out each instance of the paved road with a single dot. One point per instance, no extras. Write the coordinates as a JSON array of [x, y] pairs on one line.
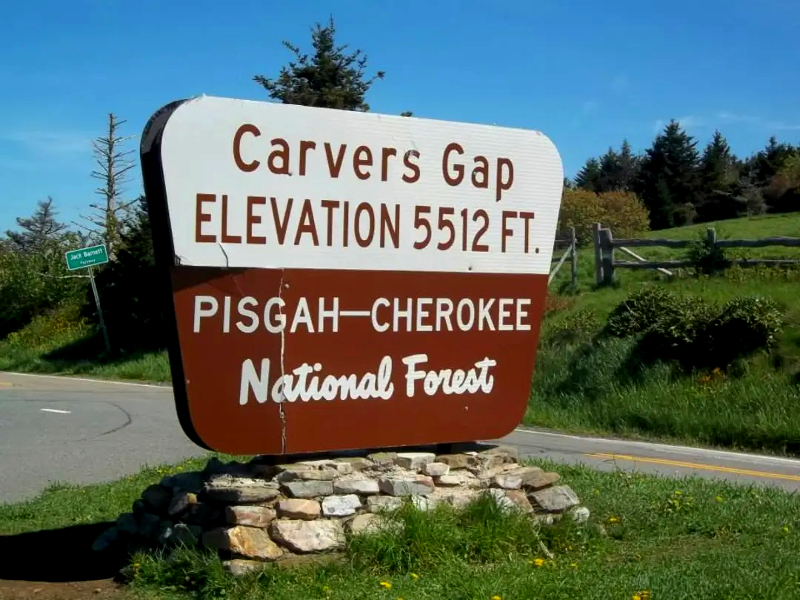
[[56, 429]]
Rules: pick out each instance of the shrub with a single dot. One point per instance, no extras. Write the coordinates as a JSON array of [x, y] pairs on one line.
[[623, 212], [574, 327], [745, 325], [640, 310], [692, 331], [708, 258]]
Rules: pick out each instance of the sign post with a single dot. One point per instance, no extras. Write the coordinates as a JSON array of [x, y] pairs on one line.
[[336, 280], [86, 258]]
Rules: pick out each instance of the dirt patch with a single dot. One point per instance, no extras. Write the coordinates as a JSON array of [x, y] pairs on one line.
[[102, 589]]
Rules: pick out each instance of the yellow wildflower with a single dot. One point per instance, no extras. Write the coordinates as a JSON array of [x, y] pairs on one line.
[[677, 492], [786, 529], [574, 565], [613, 520], [414, 576], [718, 498], [637, 597], [386, 584], [538, 562], [326, 589], [496, 598]]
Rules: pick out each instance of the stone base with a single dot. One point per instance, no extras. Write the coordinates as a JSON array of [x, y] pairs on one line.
[[295, 509]]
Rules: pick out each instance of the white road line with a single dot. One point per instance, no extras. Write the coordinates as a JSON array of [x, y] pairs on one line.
[[55, 410], [88, 380], [755, 458]]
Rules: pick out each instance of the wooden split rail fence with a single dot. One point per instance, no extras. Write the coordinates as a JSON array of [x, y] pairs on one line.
[[571, 252], [606, 263]]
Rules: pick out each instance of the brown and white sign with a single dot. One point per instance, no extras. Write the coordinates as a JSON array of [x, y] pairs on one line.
[[338, 280]]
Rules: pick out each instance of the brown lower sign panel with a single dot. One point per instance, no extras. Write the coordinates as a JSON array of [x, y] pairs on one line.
[[284, 361]]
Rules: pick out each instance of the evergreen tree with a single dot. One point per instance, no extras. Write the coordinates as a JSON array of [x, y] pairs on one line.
[[589, 177], [330, 77], [609, 172], [37, 231], [668, 181], [721, 188], [130, 304], [627, 168]]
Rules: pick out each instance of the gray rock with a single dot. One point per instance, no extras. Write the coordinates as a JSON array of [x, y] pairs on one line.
[[507, 481], [308, 489], [358, 463], [184, 482], [185, 535], [302, 472], [164, 532], [340, 506], [149, 525], [424, 503], [419, 486], [436, 469], [364, 487], [376, 504], [240, 490], [555, 499], [458, 479], [139, 508], [308, 536], [341, 467], [580, 514], [249, 542], [251, 516], [499, 455], [536, 481], [382, 459], [126, 524], [366, 523], [458, 498], [181, 503], [157, 498], [502, 499], [298, 508], [414, 461], [240, 566], [520, 498], [458, 461]]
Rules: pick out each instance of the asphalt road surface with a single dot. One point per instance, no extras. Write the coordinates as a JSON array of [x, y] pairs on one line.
[[59, 429]]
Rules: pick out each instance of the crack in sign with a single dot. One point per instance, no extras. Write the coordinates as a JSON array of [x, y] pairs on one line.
[[283, 368]]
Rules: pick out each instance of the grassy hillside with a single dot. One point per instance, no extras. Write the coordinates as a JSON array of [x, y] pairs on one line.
[[582, 384]]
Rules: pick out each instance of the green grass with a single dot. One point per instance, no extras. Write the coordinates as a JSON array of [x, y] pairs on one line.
[[581, 384], [679, 539], [77, 350]]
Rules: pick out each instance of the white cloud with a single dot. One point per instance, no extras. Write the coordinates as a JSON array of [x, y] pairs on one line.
[[691, 121]]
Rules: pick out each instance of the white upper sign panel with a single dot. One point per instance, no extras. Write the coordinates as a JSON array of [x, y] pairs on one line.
[[259, 184]]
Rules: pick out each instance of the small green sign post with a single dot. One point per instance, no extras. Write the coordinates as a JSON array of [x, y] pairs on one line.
[[86, 258]]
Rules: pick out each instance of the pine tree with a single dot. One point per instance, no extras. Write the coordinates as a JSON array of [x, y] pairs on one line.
[[39, 230], [721, 188], [589, 177], [628, 168], [668, 181], [330, 77]]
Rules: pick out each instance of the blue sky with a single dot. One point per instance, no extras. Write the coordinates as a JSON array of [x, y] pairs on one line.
[[586, 73]]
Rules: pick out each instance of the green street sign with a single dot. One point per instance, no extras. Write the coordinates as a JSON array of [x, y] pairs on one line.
[[87, 257]]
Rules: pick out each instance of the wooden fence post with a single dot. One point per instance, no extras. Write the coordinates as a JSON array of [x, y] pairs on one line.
[[574, 257], [598, 257], [607, 254]]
